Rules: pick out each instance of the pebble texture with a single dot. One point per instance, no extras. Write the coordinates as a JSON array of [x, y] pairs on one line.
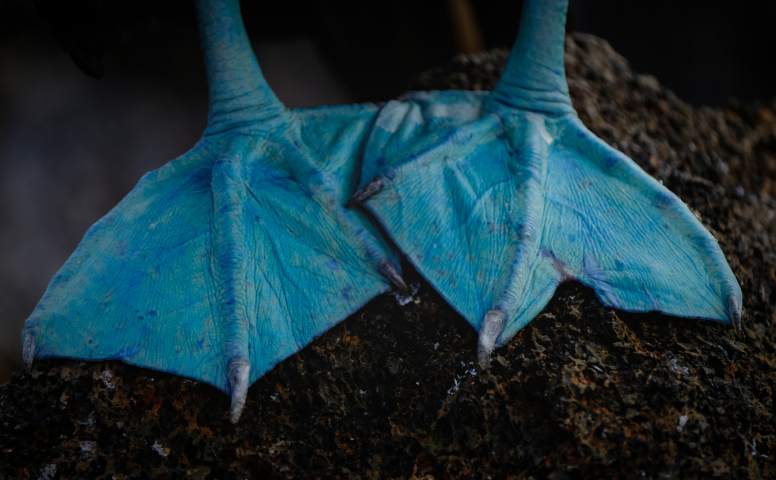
[[582, 391]]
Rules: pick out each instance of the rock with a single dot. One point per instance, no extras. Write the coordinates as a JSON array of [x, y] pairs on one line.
[[583, 391]]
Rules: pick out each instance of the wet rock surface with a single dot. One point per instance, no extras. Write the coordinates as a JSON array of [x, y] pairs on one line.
[[582, 392]]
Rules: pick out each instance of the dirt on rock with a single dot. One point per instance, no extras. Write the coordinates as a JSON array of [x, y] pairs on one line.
[[583, 391]]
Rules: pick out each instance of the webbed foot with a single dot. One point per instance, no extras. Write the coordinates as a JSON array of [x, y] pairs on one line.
[[497, 198], [234, 256]]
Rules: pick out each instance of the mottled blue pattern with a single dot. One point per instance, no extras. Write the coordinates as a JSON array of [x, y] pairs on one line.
[[241, 250], [497, 207], [238, 249], [497, 198]]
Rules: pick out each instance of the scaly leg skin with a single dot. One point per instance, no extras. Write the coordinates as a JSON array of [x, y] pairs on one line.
[[234, 256], [497, 198]]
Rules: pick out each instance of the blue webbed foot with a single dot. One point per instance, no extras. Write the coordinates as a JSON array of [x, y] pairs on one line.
[[497, 198], [234, 256]]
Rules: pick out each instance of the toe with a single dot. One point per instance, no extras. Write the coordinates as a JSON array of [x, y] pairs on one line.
[[28, 351], [239, 376], [491, 328], [363, 193], [389, 271]]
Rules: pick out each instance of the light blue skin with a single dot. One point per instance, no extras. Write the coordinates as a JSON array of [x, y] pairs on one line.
[[239, 253], [234, 256], [496, 198]]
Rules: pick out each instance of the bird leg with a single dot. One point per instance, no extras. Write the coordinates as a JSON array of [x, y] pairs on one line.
[[235, 255], [496, 198]]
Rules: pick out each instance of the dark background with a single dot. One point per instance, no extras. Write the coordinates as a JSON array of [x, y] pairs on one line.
[[71, 146]]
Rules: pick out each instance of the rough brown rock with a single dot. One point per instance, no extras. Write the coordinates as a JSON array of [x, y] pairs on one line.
[[582, 392]]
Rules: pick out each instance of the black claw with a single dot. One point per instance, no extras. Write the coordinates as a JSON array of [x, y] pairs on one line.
[[391, 273], [734, 313], [365, 192]]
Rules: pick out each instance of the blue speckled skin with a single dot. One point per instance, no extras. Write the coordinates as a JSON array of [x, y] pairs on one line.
[[498, 198], [241, 249]]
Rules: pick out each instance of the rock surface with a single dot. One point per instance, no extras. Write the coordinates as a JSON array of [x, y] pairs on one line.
[[583, 391]]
